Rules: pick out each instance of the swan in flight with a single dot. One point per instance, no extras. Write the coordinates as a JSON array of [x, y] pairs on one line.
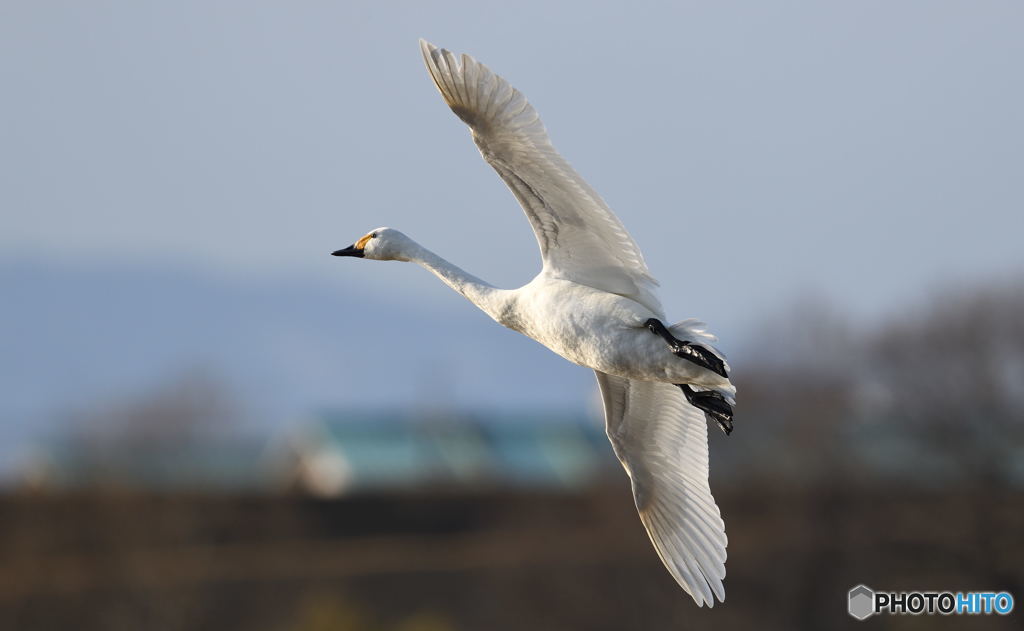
[[594, 304]]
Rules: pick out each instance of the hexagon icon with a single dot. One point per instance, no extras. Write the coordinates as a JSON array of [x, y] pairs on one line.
[[862, 602]]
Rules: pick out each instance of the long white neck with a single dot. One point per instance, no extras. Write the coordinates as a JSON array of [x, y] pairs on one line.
[[491, 300]]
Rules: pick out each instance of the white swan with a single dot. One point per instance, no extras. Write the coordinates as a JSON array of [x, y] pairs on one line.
[[594, 304]]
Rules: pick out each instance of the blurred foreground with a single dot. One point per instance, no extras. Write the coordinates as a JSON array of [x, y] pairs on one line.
[[489, 560]]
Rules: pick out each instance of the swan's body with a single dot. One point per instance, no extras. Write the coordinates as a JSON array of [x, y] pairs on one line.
[[592, 304], [599, 330]]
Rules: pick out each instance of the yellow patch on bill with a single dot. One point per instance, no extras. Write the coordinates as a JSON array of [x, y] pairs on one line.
[[360, 244]]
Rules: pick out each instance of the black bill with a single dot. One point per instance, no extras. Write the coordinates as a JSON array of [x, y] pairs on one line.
[[351, 250]]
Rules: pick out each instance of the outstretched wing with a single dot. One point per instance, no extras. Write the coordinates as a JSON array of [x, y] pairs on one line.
[[662, 442], [580, 238]]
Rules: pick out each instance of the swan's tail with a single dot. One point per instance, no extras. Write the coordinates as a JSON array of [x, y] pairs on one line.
[[693, 330]]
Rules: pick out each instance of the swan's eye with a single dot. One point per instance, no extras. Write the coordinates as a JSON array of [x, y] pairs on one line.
[[361, 243]]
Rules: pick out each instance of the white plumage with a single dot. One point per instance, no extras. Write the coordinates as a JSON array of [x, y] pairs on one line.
[[590, 304], [580, 238]]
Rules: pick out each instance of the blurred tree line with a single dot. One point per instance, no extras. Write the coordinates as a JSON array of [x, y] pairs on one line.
[[934, 396]]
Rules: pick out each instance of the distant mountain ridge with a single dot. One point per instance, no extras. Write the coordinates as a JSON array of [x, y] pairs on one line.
[[75, 337]]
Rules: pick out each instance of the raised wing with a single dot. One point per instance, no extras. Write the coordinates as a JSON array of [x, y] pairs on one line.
[[580, 238], [662, 442]]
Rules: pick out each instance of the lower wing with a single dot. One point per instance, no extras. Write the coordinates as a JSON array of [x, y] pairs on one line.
[[662, 442]]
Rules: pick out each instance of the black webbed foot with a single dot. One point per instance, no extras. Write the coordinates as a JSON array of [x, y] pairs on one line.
[[713, 404], [688, 350]]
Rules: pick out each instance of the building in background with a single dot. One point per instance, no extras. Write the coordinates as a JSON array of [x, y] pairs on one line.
[[334, 453]]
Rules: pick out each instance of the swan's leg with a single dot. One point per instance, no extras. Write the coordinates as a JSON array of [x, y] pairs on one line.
[[687, 350], [714, 406]]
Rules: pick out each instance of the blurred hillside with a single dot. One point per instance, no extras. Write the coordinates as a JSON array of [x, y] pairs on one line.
[[934, 396], [77, 341], [88, 353]]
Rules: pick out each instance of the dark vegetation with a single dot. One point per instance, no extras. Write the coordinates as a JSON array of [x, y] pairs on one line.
[[499, 561]]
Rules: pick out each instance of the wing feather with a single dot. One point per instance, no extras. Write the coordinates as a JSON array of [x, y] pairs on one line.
[[579, 237], [661, 441]]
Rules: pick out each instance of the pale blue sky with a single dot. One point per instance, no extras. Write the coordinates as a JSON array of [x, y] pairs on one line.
[[757, 151]]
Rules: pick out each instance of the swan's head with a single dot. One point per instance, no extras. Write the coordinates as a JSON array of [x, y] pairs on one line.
[[382, 244]]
